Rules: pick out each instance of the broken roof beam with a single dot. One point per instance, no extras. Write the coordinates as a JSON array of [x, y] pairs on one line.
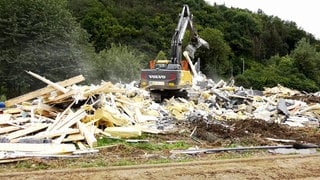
[[43, 79], [42, 91]]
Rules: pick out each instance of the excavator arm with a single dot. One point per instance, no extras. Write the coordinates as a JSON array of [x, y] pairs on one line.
[[185, 22]]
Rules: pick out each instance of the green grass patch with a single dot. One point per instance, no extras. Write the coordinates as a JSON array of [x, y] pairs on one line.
[[124, 163], [24, 165], [232, 145], [160, 146], [95, 163], [30, 165], [235, 155], [109, 141], [144, 145]]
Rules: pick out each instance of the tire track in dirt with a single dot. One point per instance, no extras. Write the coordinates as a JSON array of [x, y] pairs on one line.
[[269, 167]]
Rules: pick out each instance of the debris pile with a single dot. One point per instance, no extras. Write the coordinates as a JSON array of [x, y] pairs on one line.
[[222, 101], [64, 117]]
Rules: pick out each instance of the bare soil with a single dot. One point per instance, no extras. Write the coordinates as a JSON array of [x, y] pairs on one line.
[[271, 167]]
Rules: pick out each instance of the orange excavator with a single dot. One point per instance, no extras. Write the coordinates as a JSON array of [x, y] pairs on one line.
[[167, 78]]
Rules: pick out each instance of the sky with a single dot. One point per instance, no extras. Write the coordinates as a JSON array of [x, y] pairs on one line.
[[304, 13]]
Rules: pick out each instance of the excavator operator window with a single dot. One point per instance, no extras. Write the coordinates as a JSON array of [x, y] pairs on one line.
[[161, 66]]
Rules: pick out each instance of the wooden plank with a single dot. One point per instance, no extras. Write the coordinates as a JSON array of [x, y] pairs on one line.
[[23, 132], [12, 111], [81, 145], [104, 88], [52, 134], [85, 151], [89, 136], [124, 132], [3, 161], [71, 120], [17, 121], [61, 97], [67, 122], [99, 131], [55, 85], [43, 91], [59, 139], [74, 137], [193, 69], [5, 117], [216, 150], [59, 117], [45, 148], [8, 129], [42, 109], [281, 140]]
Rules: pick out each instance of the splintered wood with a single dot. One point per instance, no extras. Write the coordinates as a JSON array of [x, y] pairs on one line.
[[64, 113], [56, 118]]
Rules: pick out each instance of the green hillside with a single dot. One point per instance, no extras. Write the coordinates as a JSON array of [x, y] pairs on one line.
[[113, 40]]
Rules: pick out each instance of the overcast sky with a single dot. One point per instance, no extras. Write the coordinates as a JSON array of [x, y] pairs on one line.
[[304, 13]]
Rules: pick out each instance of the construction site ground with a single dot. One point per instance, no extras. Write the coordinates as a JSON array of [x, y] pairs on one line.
[[118, 159]]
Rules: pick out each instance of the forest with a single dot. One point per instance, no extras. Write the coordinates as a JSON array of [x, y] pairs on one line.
[[113, 40]]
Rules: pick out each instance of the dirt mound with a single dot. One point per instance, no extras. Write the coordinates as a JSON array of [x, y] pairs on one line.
[[251, 132]]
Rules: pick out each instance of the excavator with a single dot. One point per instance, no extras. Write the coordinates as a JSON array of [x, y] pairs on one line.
[[167, 78]]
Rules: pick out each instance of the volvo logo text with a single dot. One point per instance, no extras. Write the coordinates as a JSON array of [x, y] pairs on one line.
[[155, 76]]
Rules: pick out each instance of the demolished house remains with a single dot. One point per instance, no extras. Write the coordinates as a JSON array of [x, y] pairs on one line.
[[65, 118]]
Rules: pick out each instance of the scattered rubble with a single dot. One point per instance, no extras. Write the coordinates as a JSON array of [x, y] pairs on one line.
[[64, 117]]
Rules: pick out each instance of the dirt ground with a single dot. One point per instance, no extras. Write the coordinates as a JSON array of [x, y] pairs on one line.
[[271, 167], [251, 132], [129, 162]]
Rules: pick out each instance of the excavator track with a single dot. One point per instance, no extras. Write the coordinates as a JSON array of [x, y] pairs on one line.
[[160, 95]]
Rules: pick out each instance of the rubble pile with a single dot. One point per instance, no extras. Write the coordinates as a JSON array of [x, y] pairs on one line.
[[278, 104], [64, 117]]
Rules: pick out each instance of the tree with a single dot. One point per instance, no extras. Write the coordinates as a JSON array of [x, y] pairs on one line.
[[41, 36], [279, 70], [119, 63], [306, 59], [215, 62]]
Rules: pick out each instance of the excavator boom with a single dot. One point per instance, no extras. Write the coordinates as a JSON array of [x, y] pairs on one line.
[[185, 22]]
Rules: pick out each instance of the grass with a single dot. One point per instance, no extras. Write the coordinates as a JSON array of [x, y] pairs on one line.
[[160, 146], [155, 145], [149, 146], [95, 163], [124, 162], [108, 141], [31, 165], [24, 165], [235, 155]]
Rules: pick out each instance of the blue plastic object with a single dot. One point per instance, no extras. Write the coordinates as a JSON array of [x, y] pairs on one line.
[[2, 105]]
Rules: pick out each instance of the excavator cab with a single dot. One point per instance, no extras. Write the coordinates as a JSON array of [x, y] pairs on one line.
[[158, 64], [166, 64]]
